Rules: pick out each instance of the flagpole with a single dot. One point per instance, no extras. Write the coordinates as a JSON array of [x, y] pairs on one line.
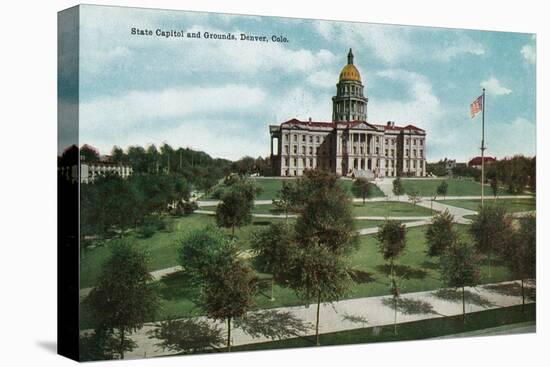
[[482, 147]]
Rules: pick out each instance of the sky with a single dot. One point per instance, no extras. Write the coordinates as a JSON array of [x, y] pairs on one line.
[[220, 96]]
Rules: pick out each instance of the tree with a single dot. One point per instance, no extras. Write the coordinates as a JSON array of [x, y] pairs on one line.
[[362, 188], [89, 153], [414, 197], [493, 181], [228, 290], [440, 234], [325, 236], [275, 249], [124, 299], [460, 268], [391, 236], [235, 209], [398, 188], [286, 198], [442, 188], [491, 230], [198, 252], [520, 254], [117, 155]]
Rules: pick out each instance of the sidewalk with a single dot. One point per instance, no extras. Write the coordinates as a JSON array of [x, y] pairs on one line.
[[339, 315]]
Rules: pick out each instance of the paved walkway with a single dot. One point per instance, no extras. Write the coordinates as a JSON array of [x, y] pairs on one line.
[[347, 315]]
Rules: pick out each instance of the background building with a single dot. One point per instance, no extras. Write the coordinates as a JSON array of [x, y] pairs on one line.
[[349, 145]]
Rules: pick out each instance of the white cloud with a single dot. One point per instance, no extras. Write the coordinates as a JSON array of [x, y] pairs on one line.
[[420, 105], [395, 44], [135, 107], [529, 53], [389, 43], [462, 45], [493, 87], [323, 79]]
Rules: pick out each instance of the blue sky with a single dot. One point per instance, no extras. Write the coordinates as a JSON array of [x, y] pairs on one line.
[[221, 96]]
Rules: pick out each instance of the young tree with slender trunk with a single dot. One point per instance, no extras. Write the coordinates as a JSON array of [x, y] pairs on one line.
[[361, 188], [520, 254], [440, 234], [124, 298], [460, 269], [275, 249], [398, 188], [392, 241], [492, 230], [235, 208], [442, 189]]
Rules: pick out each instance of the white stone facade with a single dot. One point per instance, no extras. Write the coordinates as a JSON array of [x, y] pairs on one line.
[[349, 144]]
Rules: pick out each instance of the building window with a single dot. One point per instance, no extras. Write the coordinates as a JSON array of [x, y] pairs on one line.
[[286, 162], [421, 142], [304, 162], [286, 137], [408, 141], [286, 149], [392, 151], [414, 153], [317, 139], [295, 137], [386, 141], [377, 139], [361, 150], [406, 153], [311, 138], [421, 152], [303, 150], [311, 162], [295, 162], [386, 152], [377, 150], [387, 163], [294, 172], [363, 138], [354, 150], [414, 141], [295, 149], [310, 150], [304, 138], [414, 164]]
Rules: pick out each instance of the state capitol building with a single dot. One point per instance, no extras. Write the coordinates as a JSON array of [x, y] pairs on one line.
[[349, 145]]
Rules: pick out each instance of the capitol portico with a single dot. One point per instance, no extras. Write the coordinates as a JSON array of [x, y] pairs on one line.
[[349, 145]]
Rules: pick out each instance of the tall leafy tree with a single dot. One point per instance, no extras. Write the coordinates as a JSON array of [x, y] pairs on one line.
[[440, 234], [325, 236], [362, 188], [117, 155], [520, 254], [228, 290], [124, 298], [491, 230], [460, 269]]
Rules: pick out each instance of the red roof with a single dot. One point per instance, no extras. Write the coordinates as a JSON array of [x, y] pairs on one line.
[[349, 124], [476, 161]]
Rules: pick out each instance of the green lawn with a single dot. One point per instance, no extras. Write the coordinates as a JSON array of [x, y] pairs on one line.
[[162, 246], [373, 208], [390, 208], [419, 273], [512, 205], [431, 328], [428, 187]]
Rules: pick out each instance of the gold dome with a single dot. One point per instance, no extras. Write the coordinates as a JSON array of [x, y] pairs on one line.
[[350, 72]]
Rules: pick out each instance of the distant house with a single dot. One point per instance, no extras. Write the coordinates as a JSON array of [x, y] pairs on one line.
[[476, 161]]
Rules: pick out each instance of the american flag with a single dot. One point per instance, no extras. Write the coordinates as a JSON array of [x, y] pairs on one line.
[[476, 106]]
